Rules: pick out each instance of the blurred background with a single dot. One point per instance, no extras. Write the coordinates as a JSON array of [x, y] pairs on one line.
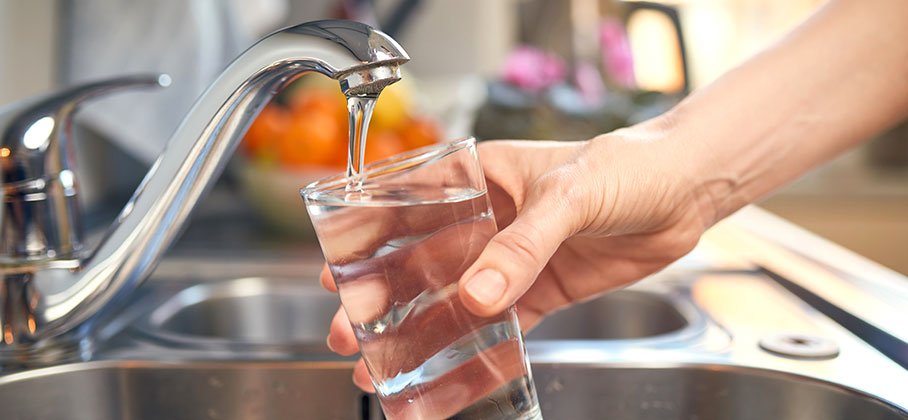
[[527, 69]]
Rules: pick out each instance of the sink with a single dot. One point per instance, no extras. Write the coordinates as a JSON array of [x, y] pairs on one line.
[[248, 311], [153, 390], [281, 311], [697, 392], [254, 348], [620, 315], [125, 390]]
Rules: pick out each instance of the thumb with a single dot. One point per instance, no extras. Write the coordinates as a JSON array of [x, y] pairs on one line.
[[512, 259]]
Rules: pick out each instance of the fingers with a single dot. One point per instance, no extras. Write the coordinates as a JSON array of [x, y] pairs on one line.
[[327, 280], [509, 264], [341, 339], [361, 377]]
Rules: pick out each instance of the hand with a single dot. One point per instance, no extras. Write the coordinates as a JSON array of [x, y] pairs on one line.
[[577, 219]]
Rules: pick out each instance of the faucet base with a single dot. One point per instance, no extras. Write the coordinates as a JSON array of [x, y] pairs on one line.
[[59, 351], [19, 326], [18, 323]]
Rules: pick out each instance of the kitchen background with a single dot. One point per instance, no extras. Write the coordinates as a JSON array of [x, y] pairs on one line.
[[597, 65]]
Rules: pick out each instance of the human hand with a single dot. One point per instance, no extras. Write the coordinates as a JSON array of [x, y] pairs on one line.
[[577, 219]]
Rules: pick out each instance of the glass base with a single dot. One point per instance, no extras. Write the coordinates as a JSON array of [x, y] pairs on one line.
[[514, 401]]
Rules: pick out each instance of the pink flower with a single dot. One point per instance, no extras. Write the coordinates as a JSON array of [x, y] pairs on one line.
[[589, 83], [617, 59], [532, 69]]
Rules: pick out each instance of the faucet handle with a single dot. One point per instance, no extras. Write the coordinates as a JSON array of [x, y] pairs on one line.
[[40, 215]]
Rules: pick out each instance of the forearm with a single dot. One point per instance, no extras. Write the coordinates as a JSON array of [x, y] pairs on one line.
[[833, 83]]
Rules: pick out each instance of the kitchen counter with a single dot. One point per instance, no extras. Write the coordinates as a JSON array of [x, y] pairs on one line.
[[850, 202]]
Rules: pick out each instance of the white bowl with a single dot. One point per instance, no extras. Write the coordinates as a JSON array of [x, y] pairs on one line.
[[273, 192]]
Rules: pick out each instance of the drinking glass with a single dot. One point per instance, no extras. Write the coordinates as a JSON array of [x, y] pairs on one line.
[[397, 248]]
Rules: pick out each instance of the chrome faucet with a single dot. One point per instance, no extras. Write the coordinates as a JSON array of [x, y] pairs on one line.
[[35, 317]]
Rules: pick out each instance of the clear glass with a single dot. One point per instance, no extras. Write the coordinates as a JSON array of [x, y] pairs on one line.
[[396, 250]]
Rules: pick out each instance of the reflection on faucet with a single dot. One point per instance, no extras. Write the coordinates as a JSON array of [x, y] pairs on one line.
[[362, 59]]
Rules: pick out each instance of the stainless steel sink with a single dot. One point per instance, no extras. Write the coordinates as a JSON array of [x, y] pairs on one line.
[[244, 312], [301, 390], [150, 390], [669, 348], [622, 315], [696, 392], [281, 311]]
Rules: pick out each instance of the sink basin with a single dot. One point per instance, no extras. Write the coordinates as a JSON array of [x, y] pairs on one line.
[[304, 390], [624, 314], [278, 326], [278, 311], [697, 392], [246, 311], [149, 390]]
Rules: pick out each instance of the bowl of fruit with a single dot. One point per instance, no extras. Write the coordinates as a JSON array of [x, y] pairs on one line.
[[302, 136]]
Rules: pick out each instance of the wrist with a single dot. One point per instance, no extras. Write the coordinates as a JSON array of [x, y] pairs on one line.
[[658, 176], [692, 160]]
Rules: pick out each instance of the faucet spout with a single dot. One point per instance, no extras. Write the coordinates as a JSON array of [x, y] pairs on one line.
[[362, 59]]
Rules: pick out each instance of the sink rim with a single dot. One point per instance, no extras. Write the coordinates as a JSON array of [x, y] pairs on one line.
[[696, 325], [150, 324]]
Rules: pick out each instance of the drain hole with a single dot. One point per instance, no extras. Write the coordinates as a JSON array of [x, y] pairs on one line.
[[800, 346], [798, 341]]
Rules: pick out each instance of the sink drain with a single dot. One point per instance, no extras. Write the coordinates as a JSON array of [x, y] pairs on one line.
[[800, 346]]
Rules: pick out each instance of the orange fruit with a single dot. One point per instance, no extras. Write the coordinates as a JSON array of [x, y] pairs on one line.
[[313, 138], [392, 108], [381, 144], [419, 132], [330, 102], [339, 156], [271, 123]]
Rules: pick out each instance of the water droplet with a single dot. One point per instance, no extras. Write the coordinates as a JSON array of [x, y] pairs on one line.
[[409, 400]]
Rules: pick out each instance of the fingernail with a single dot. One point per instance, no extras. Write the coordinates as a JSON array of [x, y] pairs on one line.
[[486, 287], [328, 343]]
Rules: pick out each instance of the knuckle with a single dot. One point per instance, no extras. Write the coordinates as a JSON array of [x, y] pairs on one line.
[[565, 194], [684, 242]]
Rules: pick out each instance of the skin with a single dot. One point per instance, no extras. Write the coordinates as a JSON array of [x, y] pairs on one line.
[[579, 219]]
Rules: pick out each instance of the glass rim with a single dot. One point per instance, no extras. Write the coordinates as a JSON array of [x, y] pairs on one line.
[[394, 164]]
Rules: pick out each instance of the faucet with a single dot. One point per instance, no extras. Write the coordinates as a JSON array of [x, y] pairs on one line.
[[52, 291]]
